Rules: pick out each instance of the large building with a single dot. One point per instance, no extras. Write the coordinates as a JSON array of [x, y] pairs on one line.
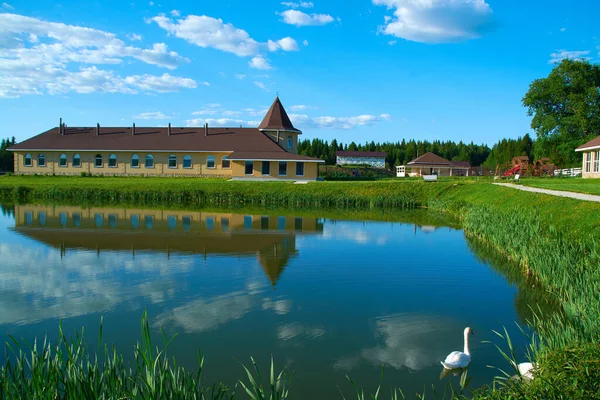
[[432, 164], [591, 158], [374, 159], [269, 152]]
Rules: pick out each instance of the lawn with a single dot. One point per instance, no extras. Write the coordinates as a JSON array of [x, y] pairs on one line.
[[579, 185]]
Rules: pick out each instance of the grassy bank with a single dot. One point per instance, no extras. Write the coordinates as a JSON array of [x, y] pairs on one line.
[[555, 241]]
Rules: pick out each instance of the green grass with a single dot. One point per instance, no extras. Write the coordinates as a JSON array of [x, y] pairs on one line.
[[554, 241], [579, 185]]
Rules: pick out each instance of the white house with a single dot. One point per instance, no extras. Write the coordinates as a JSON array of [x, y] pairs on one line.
[[374, 159], [591, 158]]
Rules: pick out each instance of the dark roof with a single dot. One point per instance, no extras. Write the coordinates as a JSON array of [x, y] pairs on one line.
[[270, 155], [592, 144], [277, 119], [430, 158], [361, 153], [151, 139], [461, 164]]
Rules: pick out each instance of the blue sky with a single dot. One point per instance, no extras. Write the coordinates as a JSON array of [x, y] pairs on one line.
[[358, 70]]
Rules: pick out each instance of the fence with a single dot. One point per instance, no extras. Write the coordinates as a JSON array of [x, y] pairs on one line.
[[568, 172]]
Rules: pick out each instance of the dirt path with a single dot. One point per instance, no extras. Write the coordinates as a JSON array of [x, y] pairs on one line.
[[560, 193]]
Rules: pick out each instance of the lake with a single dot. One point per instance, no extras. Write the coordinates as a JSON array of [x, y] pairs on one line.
[[326, 297]]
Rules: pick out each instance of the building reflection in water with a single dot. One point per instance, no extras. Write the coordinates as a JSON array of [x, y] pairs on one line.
[[271, 239]]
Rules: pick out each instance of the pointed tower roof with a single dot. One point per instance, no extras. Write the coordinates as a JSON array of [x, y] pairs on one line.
[[277, 119]]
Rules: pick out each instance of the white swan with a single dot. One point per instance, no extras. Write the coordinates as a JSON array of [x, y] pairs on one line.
[[459, 359]]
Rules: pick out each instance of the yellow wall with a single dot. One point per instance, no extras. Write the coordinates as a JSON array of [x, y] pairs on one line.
[[161, 162], [283, 139], [590, 155], [310, 170]]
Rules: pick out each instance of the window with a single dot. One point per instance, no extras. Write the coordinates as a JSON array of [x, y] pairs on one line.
[[290, 142], [264, 222], [149, 161], [98, 161], [225, 224], [112, 220], [148, 221], [249, 167], [210, 162], [172, 222], [588, 161], [76, 160], [282, 168], [62, 217], [98, 219], [76, 220], [62, 161], [172, 161], [42, 218], [135, 221], [27, 160], [28, 217], [299, 169], [210, 223], [225, 163], [187, 161], [281, 222], [266, 167], [247, 222], [187, 223], [41, 160], [135, 161], [597, 161], [112, 161]]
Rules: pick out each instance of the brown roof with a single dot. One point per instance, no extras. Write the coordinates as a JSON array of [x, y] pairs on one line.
[[592, 144], [361, 153], [270, 155], [277, 119], [152, 139], [430, 158], [461, 164]]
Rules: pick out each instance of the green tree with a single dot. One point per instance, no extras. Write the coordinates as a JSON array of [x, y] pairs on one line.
[[565, 107], [6, 157]]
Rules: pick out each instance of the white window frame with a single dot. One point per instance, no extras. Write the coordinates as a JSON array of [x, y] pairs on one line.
[[210, 158], [137, 158], [113, 157], [262, 171], [62, 157], [28, 156], [223, 159], [596, 161], [246, 166], [279, 168], [187, 157], [151, 158], [172, 157], [290, 142], [42, 156], [588, 162], [76, 155], [96, 157], [303, 167]]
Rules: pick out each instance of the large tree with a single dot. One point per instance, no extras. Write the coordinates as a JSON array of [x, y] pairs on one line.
[[566, 110]]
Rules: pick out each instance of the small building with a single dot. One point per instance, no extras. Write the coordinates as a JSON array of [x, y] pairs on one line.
[[375, 159], [591, 158], [432, 164], [268, 152]]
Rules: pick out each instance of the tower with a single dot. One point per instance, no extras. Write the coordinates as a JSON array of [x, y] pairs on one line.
[[279, 128]]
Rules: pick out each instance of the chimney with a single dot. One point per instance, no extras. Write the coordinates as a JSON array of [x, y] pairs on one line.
[[133, 129], [60, 127], [97, 128], [206, 129], [169, 129]]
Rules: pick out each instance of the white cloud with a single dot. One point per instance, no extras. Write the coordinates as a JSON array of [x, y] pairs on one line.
[[302, 4], [46, 65], [209, 109], [296, 330], [327, 122], [256, 113], [154, 115], [7, 6], [230, 113], [392, 42], [298, 18], [300, 107], [285, 44], [259, 62], [226, 122], [560, 55], [305, 43], [261, 85], [240, 76], [134, 37], [436, 21], [563, 29], [175, 13]]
